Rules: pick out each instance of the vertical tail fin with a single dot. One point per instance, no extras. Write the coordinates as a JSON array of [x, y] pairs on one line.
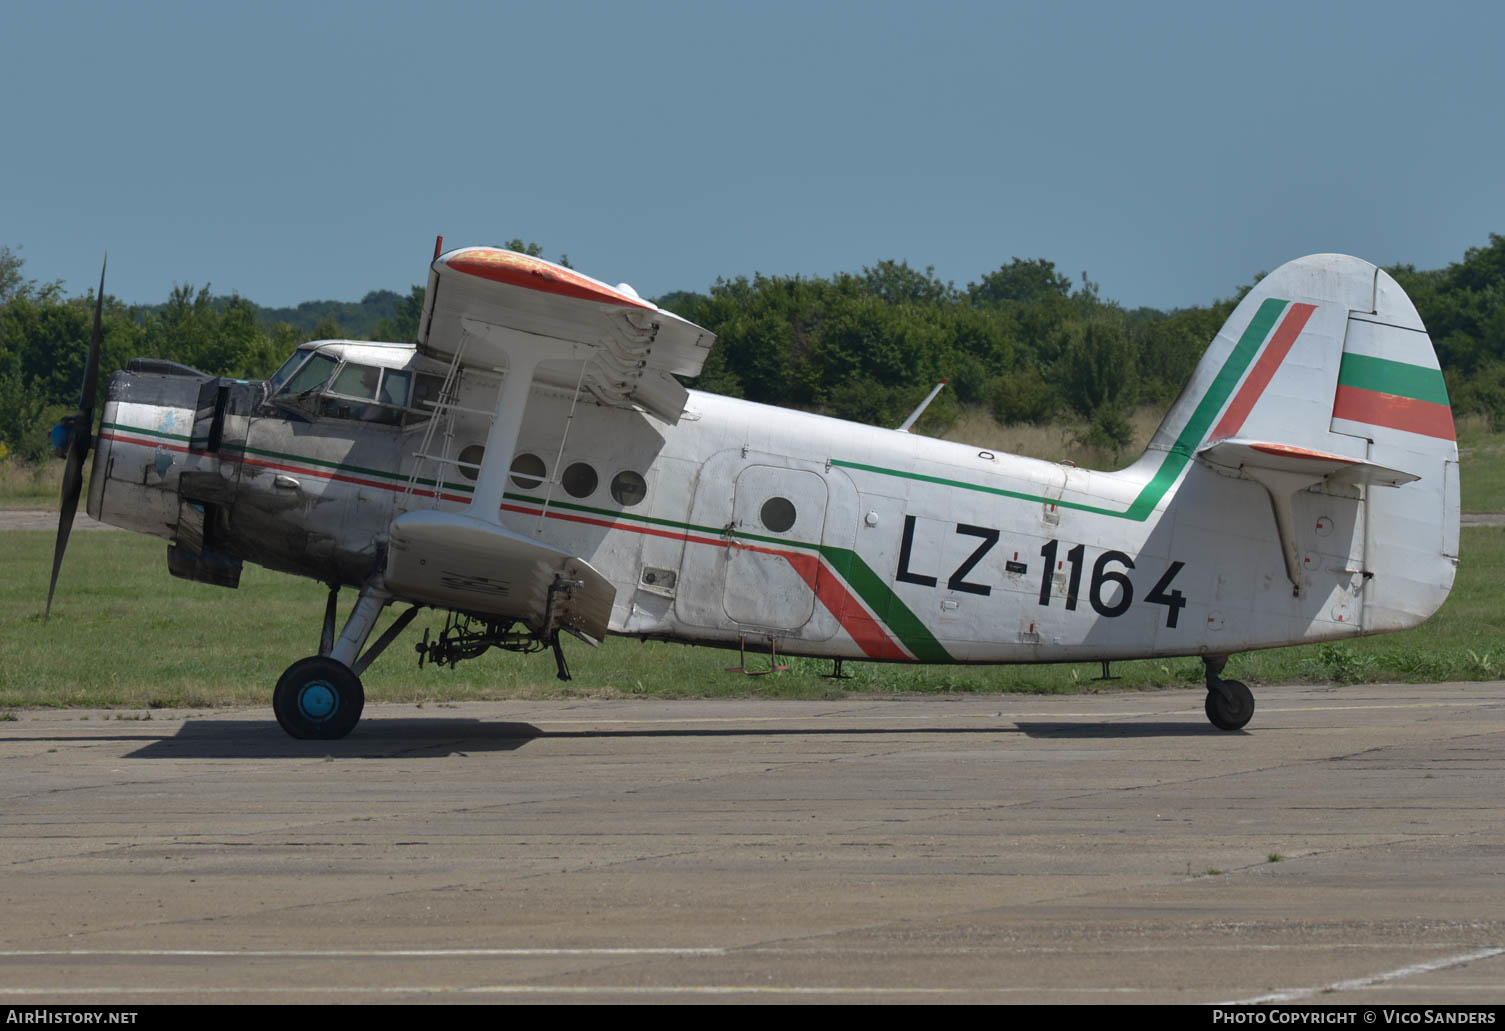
[[1325, 375], [1273, 370]]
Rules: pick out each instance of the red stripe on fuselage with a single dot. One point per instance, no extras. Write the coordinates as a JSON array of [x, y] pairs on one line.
[[154, 444], [841, 603], [1264, 370], [343, 478], [323, 474]]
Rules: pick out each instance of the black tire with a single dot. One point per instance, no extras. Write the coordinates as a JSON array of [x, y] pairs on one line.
[[1233, 711], [318, 698]]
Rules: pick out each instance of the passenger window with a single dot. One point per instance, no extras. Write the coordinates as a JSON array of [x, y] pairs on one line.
[[628, 488], [528, 471], [777, 514], [470, 460], [580, 480]]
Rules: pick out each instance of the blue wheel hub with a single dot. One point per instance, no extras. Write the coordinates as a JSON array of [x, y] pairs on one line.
[[318, 701]]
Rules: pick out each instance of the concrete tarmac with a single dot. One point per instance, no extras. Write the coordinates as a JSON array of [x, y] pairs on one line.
[[1349, 847]]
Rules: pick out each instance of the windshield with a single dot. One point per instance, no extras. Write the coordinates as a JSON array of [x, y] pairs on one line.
[[288, 368], [313, 374]]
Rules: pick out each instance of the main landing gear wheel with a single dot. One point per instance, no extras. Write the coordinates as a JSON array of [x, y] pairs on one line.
[[1229, 705], [318, 698]]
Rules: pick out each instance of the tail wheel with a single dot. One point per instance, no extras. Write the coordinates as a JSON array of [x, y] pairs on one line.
[[318, 698], [1229, 705]]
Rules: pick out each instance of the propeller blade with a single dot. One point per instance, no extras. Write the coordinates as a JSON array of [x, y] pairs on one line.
[[91, 367], [78, 441], [73, 480]]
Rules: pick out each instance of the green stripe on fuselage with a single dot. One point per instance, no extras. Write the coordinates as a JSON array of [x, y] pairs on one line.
[[1180, 452], [878, 596], [1213, 402]]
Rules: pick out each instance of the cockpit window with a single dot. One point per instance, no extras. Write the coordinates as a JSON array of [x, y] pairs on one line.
[[313, 374], [394, 388], [366, 393], [288, 368], [425, 393], [357, 381]]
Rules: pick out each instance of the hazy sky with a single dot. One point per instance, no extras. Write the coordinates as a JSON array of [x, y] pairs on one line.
[[294, 151]]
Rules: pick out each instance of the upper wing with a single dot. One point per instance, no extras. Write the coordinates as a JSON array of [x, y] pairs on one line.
[[482, 300]]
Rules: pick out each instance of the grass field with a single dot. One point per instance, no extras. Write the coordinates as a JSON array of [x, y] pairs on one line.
[[34, 486], [126, 634], [1481, 465]]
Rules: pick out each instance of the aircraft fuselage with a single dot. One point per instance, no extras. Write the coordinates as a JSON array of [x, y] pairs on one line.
[[744, 522]]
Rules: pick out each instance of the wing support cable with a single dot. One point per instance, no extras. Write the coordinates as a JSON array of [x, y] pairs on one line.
[[445, 407], [559, 456], [524, 352]]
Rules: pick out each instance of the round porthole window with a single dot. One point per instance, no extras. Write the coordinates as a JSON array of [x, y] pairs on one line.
[[777, 514], [528, 471], [470, 460], [628, 488], [580, 480]]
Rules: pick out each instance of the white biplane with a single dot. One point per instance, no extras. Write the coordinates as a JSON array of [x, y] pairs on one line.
[[533, 467]]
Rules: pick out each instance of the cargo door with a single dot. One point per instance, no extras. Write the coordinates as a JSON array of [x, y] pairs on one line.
[[773, 565]]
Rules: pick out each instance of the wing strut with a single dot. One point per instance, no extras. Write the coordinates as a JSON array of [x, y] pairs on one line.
[[522, 361]]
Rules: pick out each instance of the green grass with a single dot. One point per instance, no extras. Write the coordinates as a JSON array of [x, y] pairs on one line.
[[35, 486], [126, 634], [1481, 465]]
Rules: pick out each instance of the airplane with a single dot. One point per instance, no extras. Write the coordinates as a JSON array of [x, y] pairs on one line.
[[531, 467]]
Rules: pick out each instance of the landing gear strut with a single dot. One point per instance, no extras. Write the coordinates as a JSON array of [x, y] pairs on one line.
[[1230, 704], [321, 696]]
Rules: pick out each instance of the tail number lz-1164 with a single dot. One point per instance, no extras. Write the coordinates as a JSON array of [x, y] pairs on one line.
[[1098, 588], [1102, 577]]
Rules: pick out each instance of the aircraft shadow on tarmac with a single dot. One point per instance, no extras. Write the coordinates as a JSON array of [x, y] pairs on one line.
[[1110, 730], [374, 739], [427, 738]]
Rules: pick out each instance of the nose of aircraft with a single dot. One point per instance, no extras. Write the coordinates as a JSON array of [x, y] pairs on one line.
[[72, 437]]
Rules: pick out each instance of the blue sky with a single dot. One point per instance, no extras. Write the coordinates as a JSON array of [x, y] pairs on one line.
[[312, 150]]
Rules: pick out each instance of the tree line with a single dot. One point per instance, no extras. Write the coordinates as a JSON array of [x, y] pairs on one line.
[[1025, 342]]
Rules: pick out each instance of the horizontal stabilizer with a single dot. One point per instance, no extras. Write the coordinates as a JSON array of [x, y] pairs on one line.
[[1239, 453], [459, 562], [1285, 470]]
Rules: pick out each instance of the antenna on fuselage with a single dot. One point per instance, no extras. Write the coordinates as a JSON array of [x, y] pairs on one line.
[[907, 423]]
